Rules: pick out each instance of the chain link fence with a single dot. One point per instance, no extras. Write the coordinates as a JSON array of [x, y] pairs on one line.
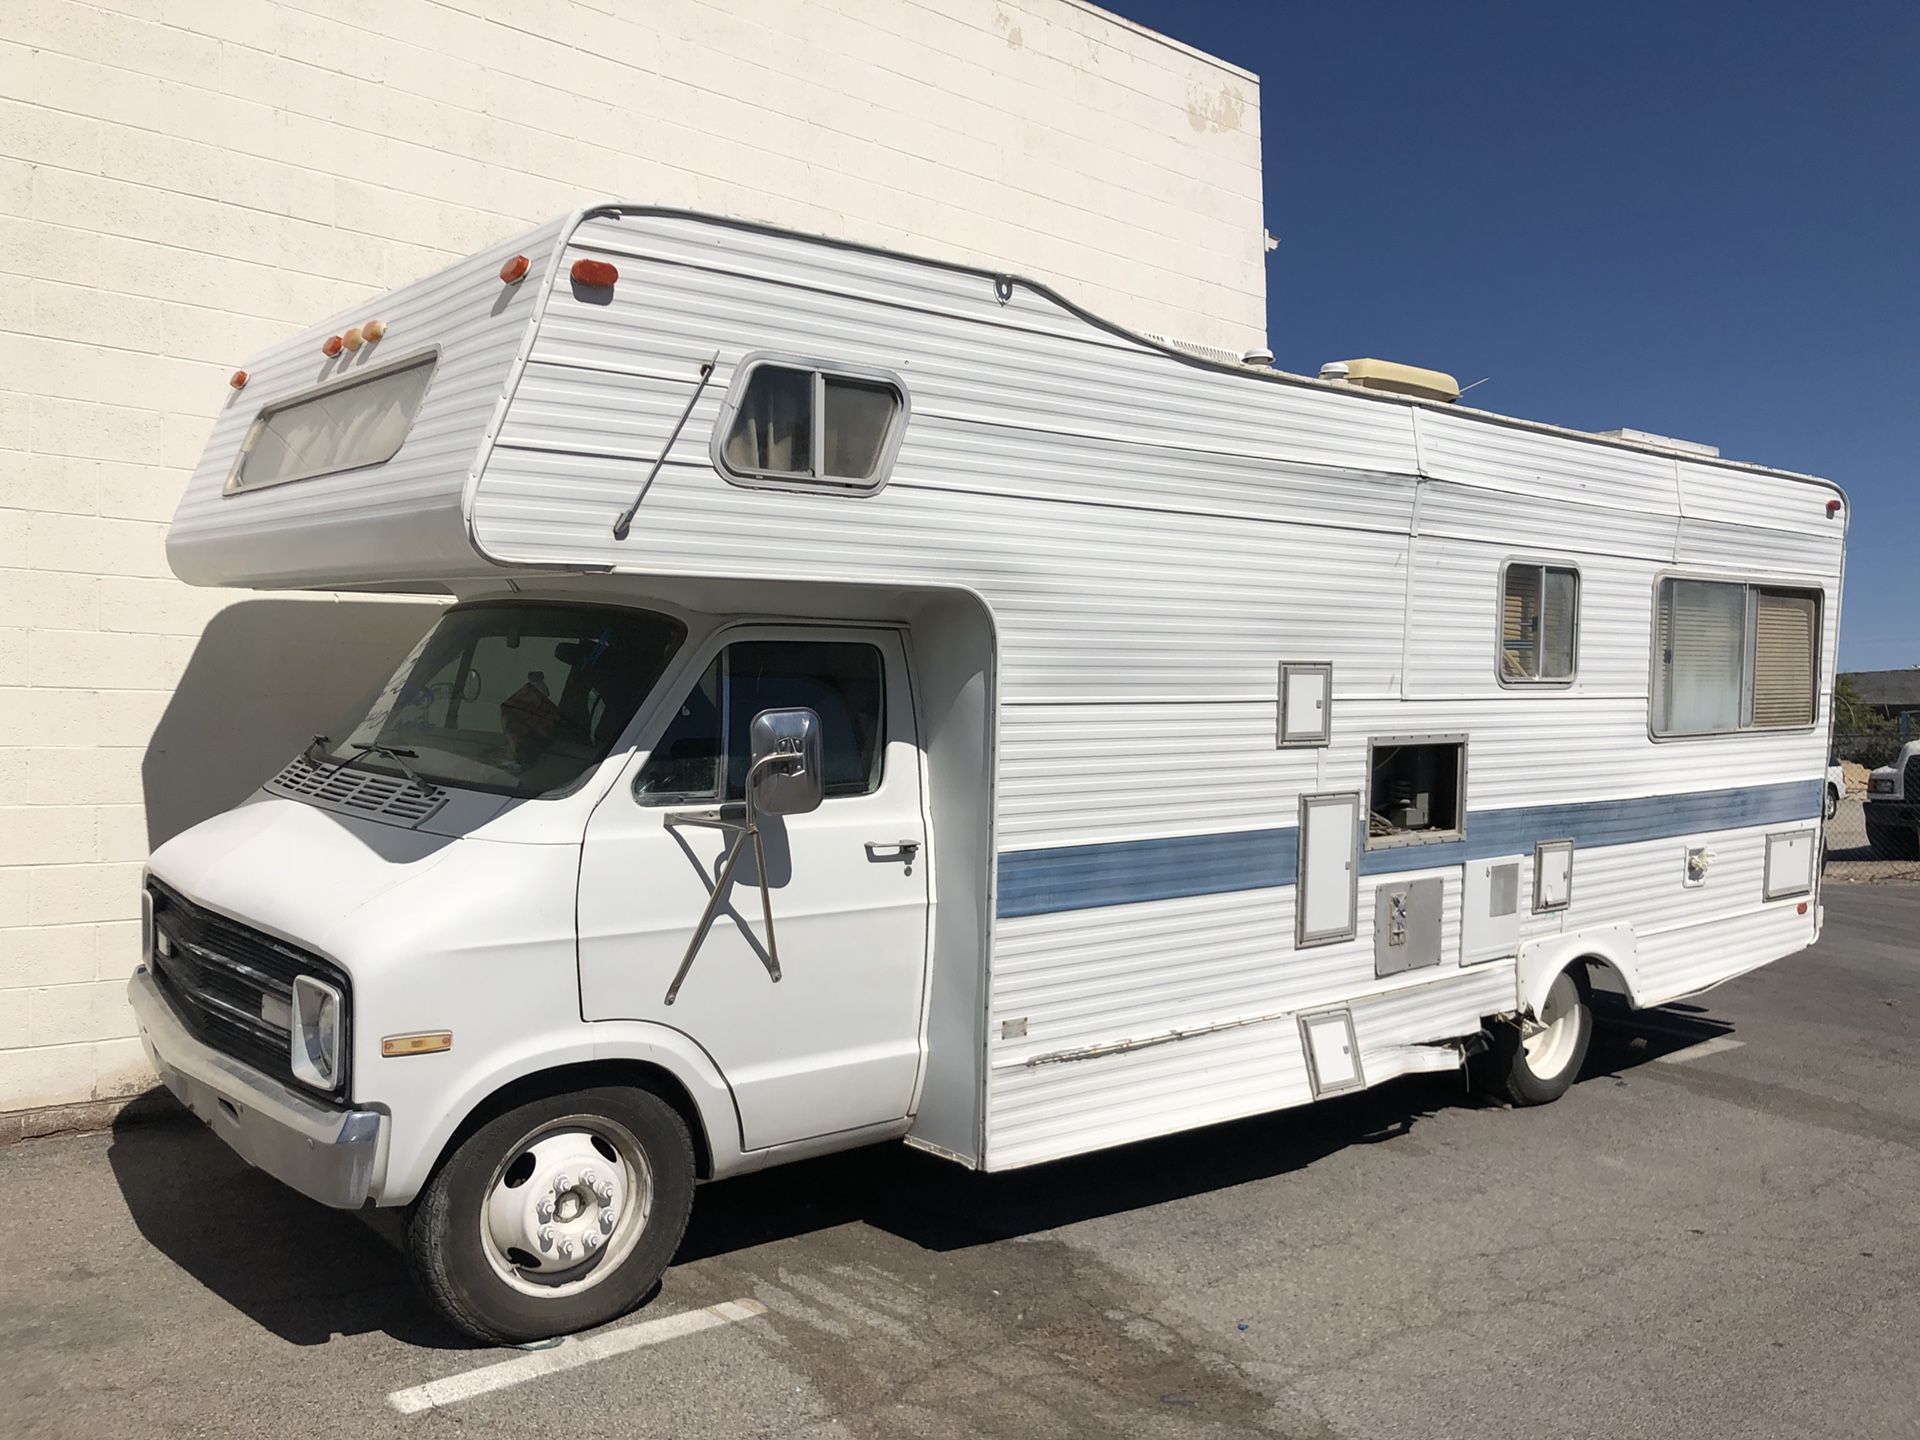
[[1871, 837]]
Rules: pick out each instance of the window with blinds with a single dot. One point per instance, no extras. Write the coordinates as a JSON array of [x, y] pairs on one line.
[[1783, 647], [1539, 620], [1733, 657]]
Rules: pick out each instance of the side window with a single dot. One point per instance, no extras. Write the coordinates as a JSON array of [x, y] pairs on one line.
[[1539, 623], [685, 764], [804, 424], [1730, 656], [704, 754]]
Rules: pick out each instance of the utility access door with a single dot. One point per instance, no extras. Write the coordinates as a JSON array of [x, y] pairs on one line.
[[835, 1043]]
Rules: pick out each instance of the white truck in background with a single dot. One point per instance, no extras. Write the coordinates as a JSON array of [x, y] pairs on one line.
[[1893, 806], [884, 701]]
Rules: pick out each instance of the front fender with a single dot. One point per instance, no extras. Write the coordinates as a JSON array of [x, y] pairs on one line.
[[1542, 960], [423, 1124]]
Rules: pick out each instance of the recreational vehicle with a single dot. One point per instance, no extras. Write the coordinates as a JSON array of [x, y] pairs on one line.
[[882, 700]]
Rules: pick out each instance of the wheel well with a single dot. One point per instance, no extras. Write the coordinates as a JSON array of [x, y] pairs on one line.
[[1605, 977], [565, 1079]]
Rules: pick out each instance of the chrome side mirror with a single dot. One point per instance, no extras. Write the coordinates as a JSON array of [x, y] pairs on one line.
[[784, 777]]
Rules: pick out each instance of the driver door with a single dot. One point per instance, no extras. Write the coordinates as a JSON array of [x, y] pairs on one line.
[[835, 1044]]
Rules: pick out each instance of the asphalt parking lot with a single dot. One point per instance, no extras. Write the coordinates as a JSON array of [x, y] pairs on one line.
[[1713, 1234]]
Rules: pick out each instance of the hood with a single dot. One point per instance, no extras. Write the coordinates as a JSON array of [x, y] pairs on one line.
[[292, 869]]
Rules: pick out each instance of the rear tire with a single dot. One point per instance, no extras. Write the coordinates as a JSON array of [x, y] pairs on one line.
[[554, 1216], [1537, 1069]]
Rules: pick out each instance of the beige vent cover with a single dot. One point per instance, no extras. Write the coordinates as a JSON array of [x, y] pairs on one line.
[[1395, 379]]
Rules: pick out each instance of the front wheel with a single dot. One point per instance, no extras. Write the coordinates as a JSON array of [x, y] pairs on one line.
[[1536, 1068], [554, 1216]]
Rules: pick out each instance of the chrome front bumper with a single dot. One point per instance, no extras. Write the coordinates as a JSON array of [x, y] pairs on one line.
[[327, 1155]]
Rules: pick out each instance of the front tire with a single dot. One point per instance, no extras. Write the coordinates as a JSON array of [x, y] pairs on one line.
[[1538, 1068], [554, 1216]]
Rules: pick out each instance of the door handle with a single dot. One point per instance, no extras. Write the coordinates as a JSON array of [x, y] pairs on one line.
[[907, 848]]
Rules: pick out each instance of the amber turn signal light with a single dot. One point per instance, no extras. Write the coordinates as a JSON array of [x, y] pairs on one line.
[[352, 339], [239, 380], [425, 1042], [594, 272], [373, 330], [330, 346], [515, 270]]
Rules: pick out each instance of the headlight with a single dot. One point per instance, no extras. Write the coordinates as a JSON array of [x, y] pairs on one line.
[[1881, 785], [316, 1040]]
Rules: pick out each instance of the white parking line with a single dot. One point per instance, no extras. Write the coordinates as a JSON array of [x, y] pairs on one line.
[[1715, 1046], [568, 1355]]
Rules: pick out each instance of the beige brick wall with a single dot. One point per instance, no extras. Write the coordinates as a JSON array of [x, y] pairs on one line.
[[184, 181]]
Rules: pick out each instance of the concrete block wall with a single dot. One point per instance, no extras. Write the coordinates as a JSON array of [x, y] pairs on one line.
[[183, 181]]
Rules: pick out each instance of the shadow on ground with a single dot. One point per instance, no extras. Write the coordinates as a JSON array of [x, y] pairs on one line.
[[308, 1273]]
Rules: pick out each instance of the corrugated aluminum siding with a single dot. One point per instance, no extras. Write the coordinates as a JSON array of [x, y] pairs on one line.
[[399, 521]]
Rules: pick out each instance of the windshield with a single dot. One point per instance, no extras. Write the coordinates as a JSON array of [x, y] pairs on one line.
[[516, 697]]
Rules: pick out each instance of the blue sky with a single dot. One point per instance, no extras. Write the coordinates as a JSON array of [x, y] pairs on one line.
[[1701, 220]]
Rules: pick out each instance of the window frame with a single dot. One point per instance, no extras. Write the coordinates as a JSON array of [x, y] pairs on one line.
[[1748, 584], [1403, 838], [1500, 624], [237, 484], [817, 482], [721, 643]]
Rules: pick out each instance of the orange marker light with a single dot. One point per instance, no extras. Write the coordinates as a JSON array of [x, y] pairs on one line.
[[330, 346], [515, 270], [373, 330], [426, 1042], [352, 339], [594, 272], [239, 380]]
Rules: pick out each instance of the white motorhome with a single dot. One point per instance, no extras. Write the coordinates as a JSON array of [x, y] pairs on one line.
[[885, 701]]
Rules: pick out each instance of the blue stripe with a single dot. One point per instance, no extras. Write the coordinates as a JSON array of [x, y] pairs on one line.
[[1132, 872]]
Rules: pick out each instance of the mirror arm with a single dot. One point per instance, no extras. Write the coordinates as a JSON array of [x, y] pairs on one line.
[[749, 830]]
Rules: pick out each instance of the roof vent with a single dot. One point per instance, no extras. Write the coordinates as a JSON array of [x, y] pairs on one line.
[[1261, 358], [1394, 379], [1661, 442]]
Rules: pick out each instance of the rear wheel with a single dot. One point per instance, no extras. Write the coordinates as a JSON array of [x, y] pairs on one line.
[[554, 1216], [1535, 1065]]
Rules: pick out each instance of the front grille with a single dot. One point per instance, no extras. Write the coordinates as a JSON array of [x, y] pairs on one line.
[[1910, 789], [357, 789], [232, 985]]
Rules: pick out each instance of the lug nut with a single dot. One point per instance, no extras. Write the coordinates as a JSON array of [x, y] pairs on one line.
[[589, 1179], [605, 1192], [607, 1219], [566, 1249], [562, 1183], [592, 1242], [546, 1237], [545, 1208]]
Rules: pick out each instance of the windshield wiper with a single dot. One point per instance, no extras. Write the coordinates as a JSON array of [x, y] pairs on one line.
[[395, 753]]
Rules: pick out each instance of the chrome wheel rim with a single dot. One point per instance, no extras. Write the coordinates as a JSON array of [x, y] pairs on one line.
[[565, 1205], [1549, 1050]]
